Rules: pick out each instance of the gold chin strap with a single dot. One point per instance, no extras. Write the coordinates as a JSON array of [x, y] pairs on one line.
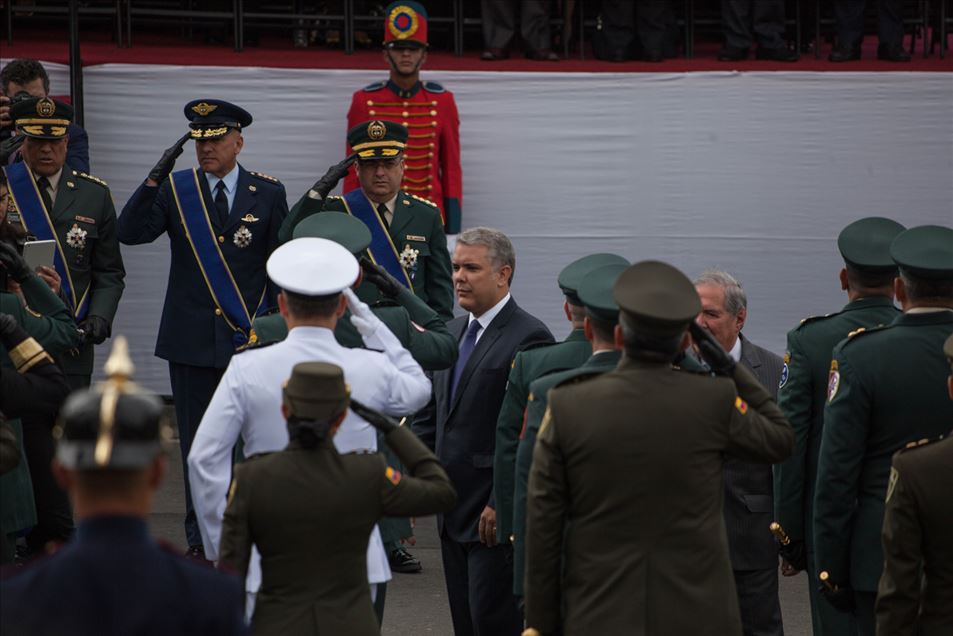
[[119, 368]]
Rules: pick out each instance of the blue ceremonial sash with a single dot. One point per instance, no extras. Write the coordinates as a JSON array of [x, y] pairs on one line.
[[218, 277], [36, 220], [382, 248]]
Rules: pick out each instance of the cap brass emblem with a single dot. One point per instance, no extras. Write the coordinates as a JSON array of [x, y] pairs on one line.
[[45, 107], [376, 130], [204, 109]]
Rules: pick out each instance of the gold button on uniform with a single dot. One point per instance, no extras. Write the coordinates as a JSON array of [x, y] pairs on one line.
[[221, 239], [218, 312]]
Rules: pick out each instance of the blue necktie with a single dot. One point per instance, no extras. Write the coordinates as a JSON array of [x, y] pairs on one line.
[[221, 202], [466, 348]]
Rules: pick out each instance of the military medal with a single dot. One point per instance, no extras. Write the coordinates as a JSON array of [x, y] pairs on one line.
[[242, 237], [76, 237], [408, 259]]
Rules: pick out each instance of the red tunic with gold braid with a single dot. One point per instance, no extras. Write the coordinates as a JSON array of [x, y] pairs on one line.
[[432, 156]]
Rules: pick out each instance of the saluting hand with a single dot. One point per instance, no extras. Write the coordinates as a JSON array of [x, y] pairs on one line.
[[162, 169], [363, 319], [335, 173]]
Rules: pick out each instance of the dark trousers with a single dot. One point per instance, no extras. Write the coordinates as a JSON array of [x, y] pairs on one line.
[[850, 21], [655, 24], [480, 589], [54, 515], [192, 389], [744, 21], [758, 601], [499, 23], [866, 623]]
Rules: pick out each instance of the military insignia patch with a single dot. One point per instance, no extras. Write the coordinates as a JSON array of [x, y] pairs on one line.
[[894, 476], [833, 381], [393, 476], [250, 218], [45, 107], [242, 237], [376, 130], [784, 376], [203, 108], [741, 405], [76, 237]]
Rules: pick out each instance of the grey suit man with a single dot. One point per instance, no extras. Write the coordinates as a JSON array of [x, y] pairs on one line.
[[749, 499], [478, 571]]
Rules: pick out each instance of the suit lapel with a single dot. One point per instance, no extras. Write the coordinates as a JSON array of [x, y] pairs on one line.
[[402, 216], [749, 355], [244, 202], [483, 346], [65, 195]]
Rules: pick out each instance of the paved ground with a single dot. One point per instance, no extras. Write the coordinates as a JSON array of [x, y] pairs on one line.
[[417, 603]]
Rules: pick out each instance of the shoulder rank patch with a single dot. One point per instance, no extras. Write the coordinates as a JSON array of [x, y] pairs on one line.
[[266, 177], [423, 200], [833, 381], [811, 319], [856, 331], [741, 405], [785, 371], [434, 87], [90, 177], [393, 476], [375, 86]]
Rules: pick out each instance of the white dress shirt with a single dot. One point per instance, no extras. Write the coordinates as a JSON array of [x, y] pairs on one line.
[[231, 185], [248, 401], [735, 352], [487, 317]]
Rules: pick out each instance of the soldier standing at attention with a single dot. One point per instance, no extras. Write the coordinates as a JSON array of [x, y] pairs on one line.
[[917, 522], [885, 390], [426, 109], [57, 202], [867, 277]]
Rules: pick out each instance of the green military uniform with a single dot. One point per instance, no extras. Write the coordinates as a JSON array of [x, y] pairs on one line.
[[415, 233], [84, 224], [527, 366], [885, 389], [916, 587], [314, 573], [624, 510]]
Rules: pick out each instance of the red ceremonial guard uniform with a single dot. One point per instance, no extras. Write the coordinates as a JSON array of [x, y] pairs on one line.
[[426, 109]]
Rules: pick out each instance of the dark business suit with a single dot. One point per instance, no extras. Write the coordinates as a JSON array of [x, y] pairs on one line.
[[193, 335], [749, 510], [479, 579]]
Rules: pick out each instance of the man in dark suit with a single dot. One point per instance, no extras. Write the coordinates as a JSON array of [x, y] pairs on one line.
[[478, 570], [112, 578], [749, 487], [849, 15], [222, 222]]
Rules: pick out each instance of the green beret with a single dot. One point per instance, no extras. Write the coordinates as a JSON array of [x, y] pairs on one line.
[[573, 273], [865, 244], [377, 139], [925, 252], [315, 392], [41, 117], [334, 226], [657, 298], [595, 291]]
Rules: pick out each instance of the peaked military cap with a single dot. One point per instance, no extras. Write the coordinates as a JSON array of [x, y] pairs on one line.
[[312, 267], [925, 251], [343, 229], [113, 425], [41, 117], [213, 118], [315, 391], [377, 139], [596, 290], [865, 244], [571, 275], [657, 297], [406, 25]]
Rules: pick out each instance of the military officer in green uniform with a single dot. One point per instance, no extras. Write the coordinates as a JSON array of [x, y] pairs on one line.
[[916, 587], [57, 202], [885, 390], [602, 315], [867, 277], [532, 363], [407, 237], [624, 510]]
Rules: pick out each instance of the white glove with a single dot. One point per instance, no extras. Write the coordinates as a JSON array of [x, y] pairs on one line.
[[363, 319]]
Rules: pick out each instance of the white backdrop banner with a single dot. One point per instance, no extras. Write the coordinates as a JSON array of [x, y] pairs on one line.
[[755, 173]]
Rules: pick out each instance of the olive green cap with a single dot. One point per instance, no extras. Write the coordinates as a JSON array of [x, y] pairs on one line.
[[925, 252], [865, 243], [571, 275], [377, 139], [596, 291], [657, 298], [343, 229], [316, 392]]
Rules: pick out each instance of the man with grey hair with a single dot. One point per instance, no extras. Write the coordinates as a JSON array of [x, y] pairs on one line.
[[749, 500], [478, 569]]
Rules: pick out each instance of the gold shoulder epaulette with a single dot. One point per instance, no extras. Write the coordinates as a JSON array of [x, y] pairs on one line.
[[266, 177], [89, 177], [920, 443], [423, 200], [333, 197], [811, 319]]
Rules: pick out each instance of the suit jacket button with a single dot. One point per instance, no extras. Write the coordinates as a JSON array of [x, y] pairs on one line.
[[218, 312]]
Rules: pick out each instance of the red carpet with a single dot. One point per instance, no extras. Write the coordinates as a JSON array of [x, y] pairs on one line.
[[277, 52]]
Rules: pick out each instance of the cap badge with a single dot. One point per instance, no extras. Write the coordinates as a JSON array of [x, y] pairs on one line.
[[45, 107], [203, 109], [76, 237], [376, 130], [403, 22], [242, 237]]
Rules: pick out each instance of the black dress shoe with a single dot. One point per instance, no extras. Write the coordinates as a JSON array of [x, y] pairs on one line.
[[732, 54], [844, 54], [543, 55], [492, 55], [892, 53], [777, 54], [403, 561]]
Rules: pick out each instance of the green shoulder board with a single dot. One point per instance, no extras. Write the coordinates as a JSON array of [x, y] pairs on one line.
[[434, 87]]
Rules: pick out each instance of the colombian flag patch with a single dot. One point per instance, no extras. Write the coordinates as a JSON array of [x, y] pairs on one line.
[[741, 405], [393, 476]]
